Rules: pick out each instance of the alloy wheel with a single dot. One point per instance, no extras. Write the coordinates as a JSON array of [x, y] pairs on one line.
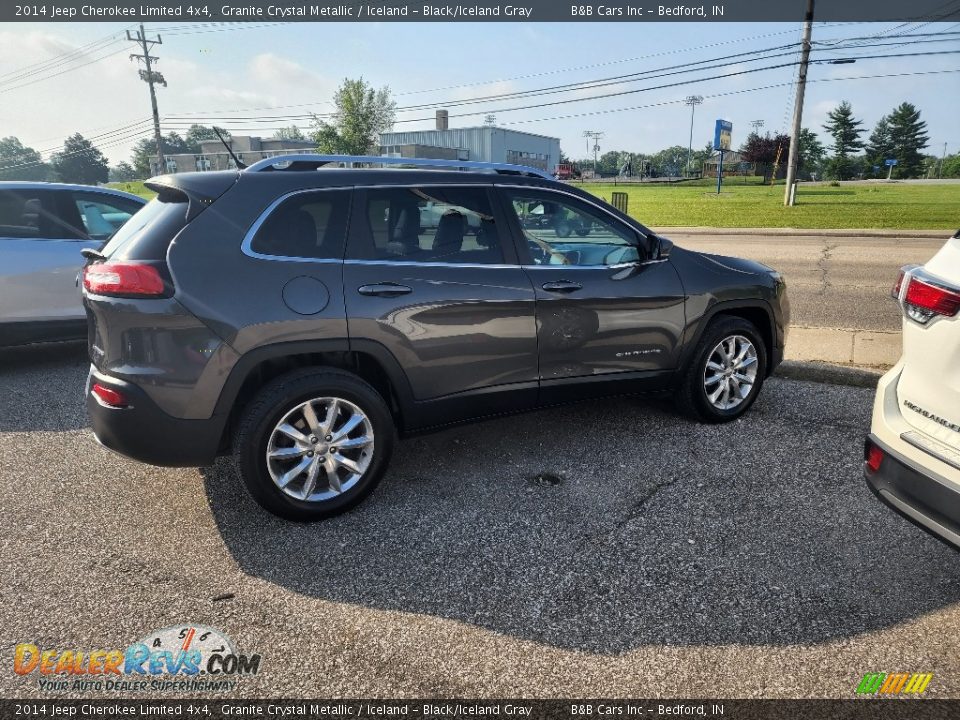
[[320, 449], [730, 372]]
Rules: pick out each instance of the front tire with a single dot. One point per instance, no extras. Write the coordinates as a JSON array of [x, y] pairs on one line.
[[313, 443], [726, 372]]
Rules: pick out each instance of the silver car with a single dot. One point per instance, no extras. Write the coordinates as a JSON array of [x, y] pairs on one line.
[[43, 228]]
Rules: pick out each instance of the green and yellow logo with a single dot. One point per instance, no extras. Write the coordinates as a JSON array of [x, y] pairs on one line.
[[894, 683]]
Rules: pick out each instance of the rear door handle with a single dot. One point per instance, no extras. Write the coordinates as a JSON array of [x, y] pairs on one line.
[[387, 289], [562, 286]]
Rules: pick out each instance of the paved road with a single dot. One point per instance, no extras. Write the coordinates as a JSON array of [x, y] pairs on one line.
[[672, 559], [835, 282]]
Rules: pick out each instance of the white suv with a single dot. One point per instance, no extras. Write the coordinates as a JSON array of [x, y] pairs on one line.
[[912, 455]]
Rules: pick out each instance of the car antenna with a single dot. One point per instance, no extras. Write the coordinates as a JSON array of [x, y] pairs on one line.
[[240, 165]]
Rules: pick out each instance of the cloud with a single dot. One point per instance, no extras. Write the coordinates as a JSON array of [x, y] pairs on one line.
[[271, 69]]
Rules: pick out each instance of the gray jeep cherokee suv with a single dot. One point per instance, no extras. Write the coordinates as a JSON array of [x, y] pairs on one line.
[[299, 315]]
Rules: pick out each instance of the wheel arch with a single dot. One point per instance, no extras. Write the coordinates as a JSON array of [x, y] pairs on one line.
[[757, 312], [370, 361]]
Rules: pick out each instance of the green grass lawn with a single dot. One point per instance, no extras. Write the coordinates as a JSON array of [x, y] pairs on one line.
[[895, 206], [136, 187], [863, 206]]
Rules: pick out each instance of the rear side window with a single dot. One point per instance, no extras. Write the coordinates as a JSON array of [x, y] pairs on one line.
[[147, 235], [306, 225], [428, 224]]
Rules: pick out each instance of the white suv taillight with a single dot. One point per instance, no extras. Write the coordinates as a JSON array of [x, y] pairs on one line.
[[924, 298]]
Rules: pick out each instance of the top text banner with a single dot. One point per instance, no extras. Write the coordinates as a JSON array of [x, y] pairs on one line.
[[480, 11]]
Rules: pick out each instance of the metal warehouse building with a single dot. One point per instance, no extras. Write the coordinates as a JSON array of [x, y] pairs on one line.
[[486, 143]]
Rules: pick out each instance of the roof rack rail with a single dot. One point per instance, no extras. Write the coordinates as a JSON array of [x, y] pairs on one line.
[[315, 162]]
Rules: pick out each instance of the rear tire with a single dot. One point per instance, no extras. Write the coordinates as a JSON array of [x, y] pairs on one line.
[[726, 372], [313, 443]]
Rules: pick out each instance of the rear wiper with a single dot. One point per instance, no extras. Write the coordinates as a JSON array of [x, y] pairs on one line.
[[91, 254]]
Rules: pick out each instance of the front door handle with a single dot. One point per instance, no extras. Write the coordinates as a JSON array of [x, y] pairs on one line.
[[387, 289], [562, 286]]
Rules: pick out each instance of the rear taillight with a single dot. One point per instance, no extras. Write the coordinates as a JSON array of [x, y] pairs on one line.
[[109, 397], [924, 298], [929, 297], [123, 279], [872, 456]]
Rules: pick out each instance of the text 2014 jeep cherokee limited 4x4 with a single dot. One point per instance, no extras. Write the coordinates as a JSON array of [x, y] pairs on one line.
[[298, 315]]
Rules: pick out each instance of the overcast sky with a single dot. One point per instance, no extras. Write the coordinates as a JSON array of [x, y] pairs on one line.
[[248, 77]]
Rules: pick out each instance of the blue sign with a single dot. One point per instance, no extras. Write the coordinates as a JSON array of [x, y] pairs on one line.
[[890, 162], [722, 134]]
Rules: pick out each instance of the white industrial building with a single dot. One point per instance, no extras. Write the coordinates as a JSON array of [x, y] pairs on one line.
[[486, 143]]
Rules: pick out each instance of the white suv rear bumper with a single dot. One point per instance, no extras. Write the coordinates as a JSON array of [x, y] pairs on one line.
[[918, 476]]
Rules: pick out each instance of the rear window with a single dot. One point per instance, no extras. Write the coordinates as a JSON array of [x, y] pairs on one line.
[[147, 235]]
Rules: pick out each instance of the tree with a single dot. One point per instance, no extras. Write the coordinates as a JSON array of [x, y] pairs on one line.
[[950, 167], [289, 133], [810, 154], [845, 131], [122, 172], [145, 148], [361, 114], [198, 133], [908, 136], [765, 152], [879, 145], [18, 162], [80, 162]]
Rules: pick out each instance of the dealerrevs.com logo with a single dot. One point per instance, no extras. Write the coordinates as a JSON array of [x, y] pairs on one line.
[[897, 683], [182, 658]]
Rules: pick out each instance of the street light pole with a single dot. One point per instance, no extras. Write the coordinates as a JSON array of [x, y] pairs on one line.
[[788, 195], [692, 101]]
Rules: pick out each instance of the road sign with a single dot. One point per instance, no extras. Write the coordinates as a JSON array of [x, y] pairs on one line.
[[721, 135], [890, 162]]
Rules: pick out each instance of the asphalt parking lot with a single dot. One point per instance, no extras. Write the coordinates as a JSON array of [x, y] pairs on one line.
[[672, 559]]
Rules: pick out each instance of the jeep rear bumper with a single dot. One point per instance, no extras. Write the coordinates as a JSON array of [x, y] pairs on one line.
[[143, 432]]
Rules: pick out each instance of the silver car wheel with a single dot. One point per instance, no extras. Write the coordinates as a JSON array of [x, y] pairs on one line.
[[730, 372], [320, 449]]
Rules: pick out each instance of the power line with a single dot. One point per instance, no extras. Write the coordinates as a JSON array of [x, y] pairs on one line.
[[607, 111], [63, 58], [667, 71]]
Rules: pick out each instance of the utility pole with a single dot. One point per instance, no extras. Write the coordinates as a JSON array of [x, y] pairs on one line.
[[756, 125], [595, 137], [692, 101], [150, 76], [942, 158], [789, 194]]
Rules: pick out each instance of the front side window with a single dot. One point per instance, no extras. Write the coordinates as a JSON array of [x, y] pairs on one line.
[[36, 214], [560, 230], [305, 225], [430, 225], [102, 215]]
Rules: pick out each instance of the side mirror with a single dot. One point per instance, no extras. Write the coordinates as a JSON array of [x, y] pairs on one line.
[[664, 246], [658, 248]]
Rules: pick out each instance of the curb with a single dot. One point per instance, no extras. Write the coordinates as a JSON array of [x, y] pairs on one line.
[[829, 374], [811, 232]]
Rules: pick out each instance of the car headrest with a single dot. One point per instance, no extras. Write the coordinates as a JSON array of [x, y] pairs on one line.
[[450, 231]]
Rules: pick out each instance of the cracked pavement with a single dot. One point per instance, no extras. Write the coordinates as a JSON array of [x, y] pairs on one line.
[[671, 559]]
